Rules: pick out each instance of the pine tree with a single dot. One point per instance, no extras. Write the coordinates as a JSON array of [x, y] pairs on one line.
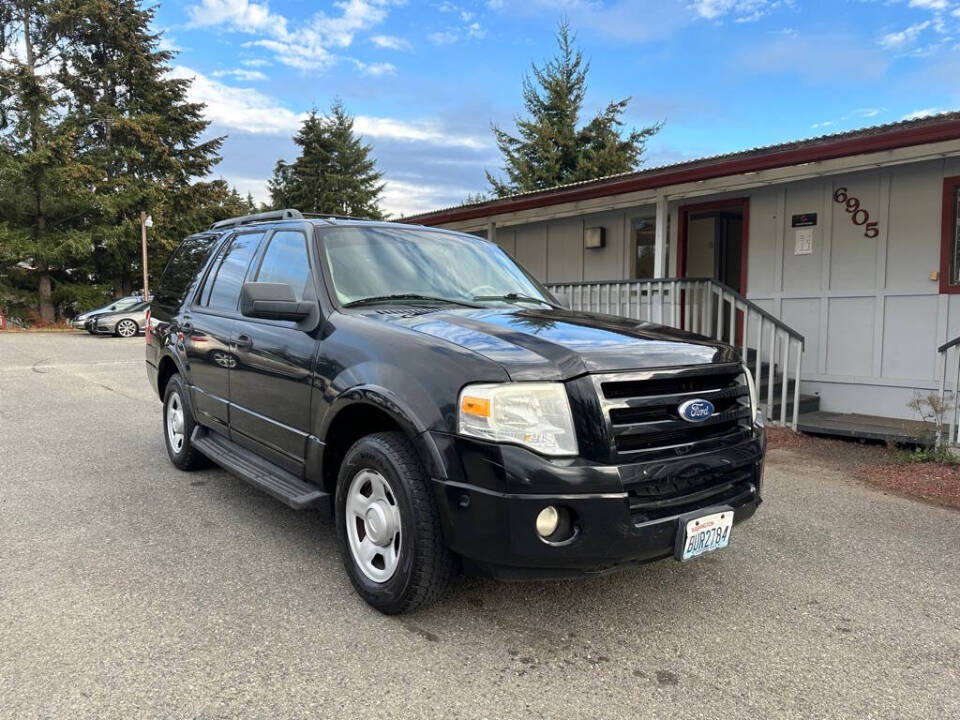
[[335, 172], [133, 123], [549, 149], [44, 187]]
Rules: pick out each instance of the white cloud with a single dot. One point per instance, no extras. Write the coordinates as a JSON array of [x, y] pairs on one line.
[[376, 69], [425, 131], [475, 31], [821, 125], [409, 198], [442, 38], [715, 9], [238, 108], [252, 111], [925, 112], [391, 42], [868, 112], [255, 62], [257, 187], [241, 74], [929, 4], [238, 15], [309, 45], [903, 38]]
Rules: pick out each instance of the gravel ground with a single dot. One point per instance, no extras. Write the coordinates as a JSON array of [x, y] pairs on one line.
[[130, 589]]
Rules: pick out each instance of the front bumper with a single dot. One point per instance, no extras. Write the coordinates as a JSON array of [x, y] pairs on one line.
[[492, 495]]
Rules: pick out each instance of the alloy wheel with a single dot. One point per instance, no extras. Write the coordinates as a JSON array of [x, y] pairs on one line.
[[126, 328]]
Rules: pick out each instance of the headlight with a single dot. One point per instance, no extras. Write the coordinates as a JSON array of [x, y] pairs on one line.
[[533, 414], [754, 408]]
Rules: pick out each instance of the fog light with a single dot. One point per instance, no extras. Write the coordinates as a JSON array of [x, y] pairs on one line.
[[547, 521]]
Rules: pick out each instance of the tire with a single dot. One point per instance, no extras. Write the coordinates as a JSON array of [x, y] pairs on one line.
[[126, 329], [423, 565], [181, 452]]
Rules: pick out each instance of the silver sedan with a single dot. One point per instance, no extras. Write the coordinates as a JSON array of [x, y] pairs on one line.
[[124, 323]]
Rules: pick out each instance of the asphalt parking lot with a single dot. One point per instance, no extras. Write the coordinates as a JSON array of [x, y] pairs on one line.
[[131, 589]]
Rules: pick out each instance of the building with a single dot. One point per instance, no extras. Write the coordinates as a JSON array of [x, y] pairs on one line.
[[848, 240]]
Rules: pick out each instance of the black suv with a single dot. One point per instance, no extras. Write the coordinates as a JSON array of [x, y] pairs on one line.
[[446, 406]]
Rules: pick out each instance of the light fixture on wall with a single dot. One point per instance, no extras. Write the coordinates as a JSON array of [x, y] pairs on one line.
[[594, 237]]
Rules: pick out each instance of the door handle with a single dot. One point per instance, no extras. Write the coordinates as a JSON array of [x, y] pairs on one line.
[[187, 327], [243, 341]]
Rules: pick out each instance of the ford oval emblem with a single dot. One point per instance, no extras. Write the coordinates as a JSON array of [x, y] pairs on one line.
[[696, 410]]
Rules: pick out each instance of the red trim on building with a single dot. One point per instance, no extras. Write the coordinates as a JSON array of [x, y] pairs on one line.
[[947, 226], [923, 132]]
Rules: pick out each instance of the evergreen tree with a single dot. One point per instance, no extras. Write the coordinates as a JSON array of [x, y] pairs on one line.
[[44, 186], [549, 149], [334, 174], [135, 125]]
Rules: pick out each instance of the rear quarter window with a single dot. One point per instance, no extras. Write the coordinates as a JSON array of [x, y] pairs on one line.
[[182, 269]]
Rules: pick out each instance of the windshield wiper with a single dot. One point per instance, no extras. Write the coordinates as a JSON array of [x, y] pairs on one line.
[[517, 297], [406, 296]]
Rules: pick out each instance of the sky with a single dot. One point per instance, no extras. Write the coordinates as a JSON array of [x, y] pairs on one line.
[[427, 79]]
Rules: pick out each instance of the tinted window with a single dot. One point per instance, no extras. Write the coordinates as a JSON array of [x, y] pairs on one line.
[[224, 292], [285, 261], [182, 268]]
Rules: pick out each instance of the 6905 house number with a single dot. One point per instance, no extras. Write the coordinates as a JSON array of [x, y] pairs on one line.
[[858, 215]]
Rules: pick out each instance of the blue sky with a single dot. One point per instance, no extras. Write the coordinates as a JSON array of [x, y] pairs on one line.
[[426, 79]]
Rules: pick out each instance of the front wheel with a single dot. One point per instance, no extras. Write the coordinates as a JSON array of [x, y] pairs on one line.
[[126, 328], [389, 527]]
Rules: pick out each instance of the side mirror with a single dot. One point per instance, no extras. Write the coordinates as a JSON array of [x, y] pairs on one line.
[[272, 301]]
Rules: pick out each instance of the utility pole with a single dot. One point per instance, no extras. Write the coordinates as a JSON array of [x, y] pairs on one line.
[[145, 222]]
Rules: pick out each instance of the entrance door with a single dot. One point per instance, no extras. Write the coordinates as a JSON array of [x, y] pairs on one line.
[[712, 243]]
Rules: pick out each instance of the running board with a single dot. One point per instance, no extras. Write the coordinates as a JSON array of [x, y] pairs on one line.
[[260, 473]]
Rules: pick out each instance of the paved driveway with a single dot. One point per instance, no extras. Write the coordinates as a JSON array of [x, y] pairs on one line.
[[128, 588]]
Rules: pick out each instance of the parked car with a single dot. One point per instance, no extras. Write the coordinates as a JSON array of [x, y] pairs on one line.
[[80, 321], [123, 323], [452, 414]]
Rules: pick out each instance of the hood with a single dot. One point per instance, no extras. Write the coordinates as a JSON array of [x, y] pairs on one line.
[[554, 344]]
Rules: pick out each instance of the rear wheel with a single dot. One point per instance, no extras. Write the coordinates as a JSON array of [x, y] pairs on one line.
[[178, 424], [126, 328], [389, 527]]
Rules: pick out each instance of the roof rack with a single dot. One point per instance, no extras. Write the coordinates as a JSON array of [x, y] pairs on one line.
[[328, 216], [288, 214]]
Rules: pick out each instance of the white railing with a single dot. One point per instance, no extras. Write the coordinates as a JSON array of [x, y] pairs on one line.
[[948, 406], [709, 308]]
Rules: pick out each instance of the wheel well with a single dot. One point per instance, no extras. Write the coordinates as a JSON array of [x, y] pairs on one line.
[[167, 369], [351, 424]]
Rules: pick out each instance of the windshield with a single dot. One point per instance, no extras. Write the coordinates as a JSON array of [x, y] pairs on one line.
[[377, 262], [123, 303]]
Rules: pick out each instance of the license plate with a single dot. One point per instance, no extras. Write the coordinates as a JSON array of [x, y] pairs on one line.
[[706, 533]]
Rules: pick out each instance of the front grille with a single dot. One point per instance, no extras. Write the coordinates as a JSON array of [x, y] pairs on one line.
[[643, 415]]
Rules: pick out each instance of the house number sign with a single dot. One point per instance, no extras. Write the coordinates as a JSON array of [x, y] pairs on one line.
[[858, 215]]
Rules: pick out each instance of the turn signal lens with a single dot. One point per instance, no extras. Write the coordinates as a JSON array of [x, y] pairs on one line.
[[475, 406]]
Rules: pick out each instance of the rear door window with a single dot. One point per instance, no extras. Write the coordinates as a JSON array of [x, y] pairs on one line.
[[181, 270], [222, 291], [285, 261]]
